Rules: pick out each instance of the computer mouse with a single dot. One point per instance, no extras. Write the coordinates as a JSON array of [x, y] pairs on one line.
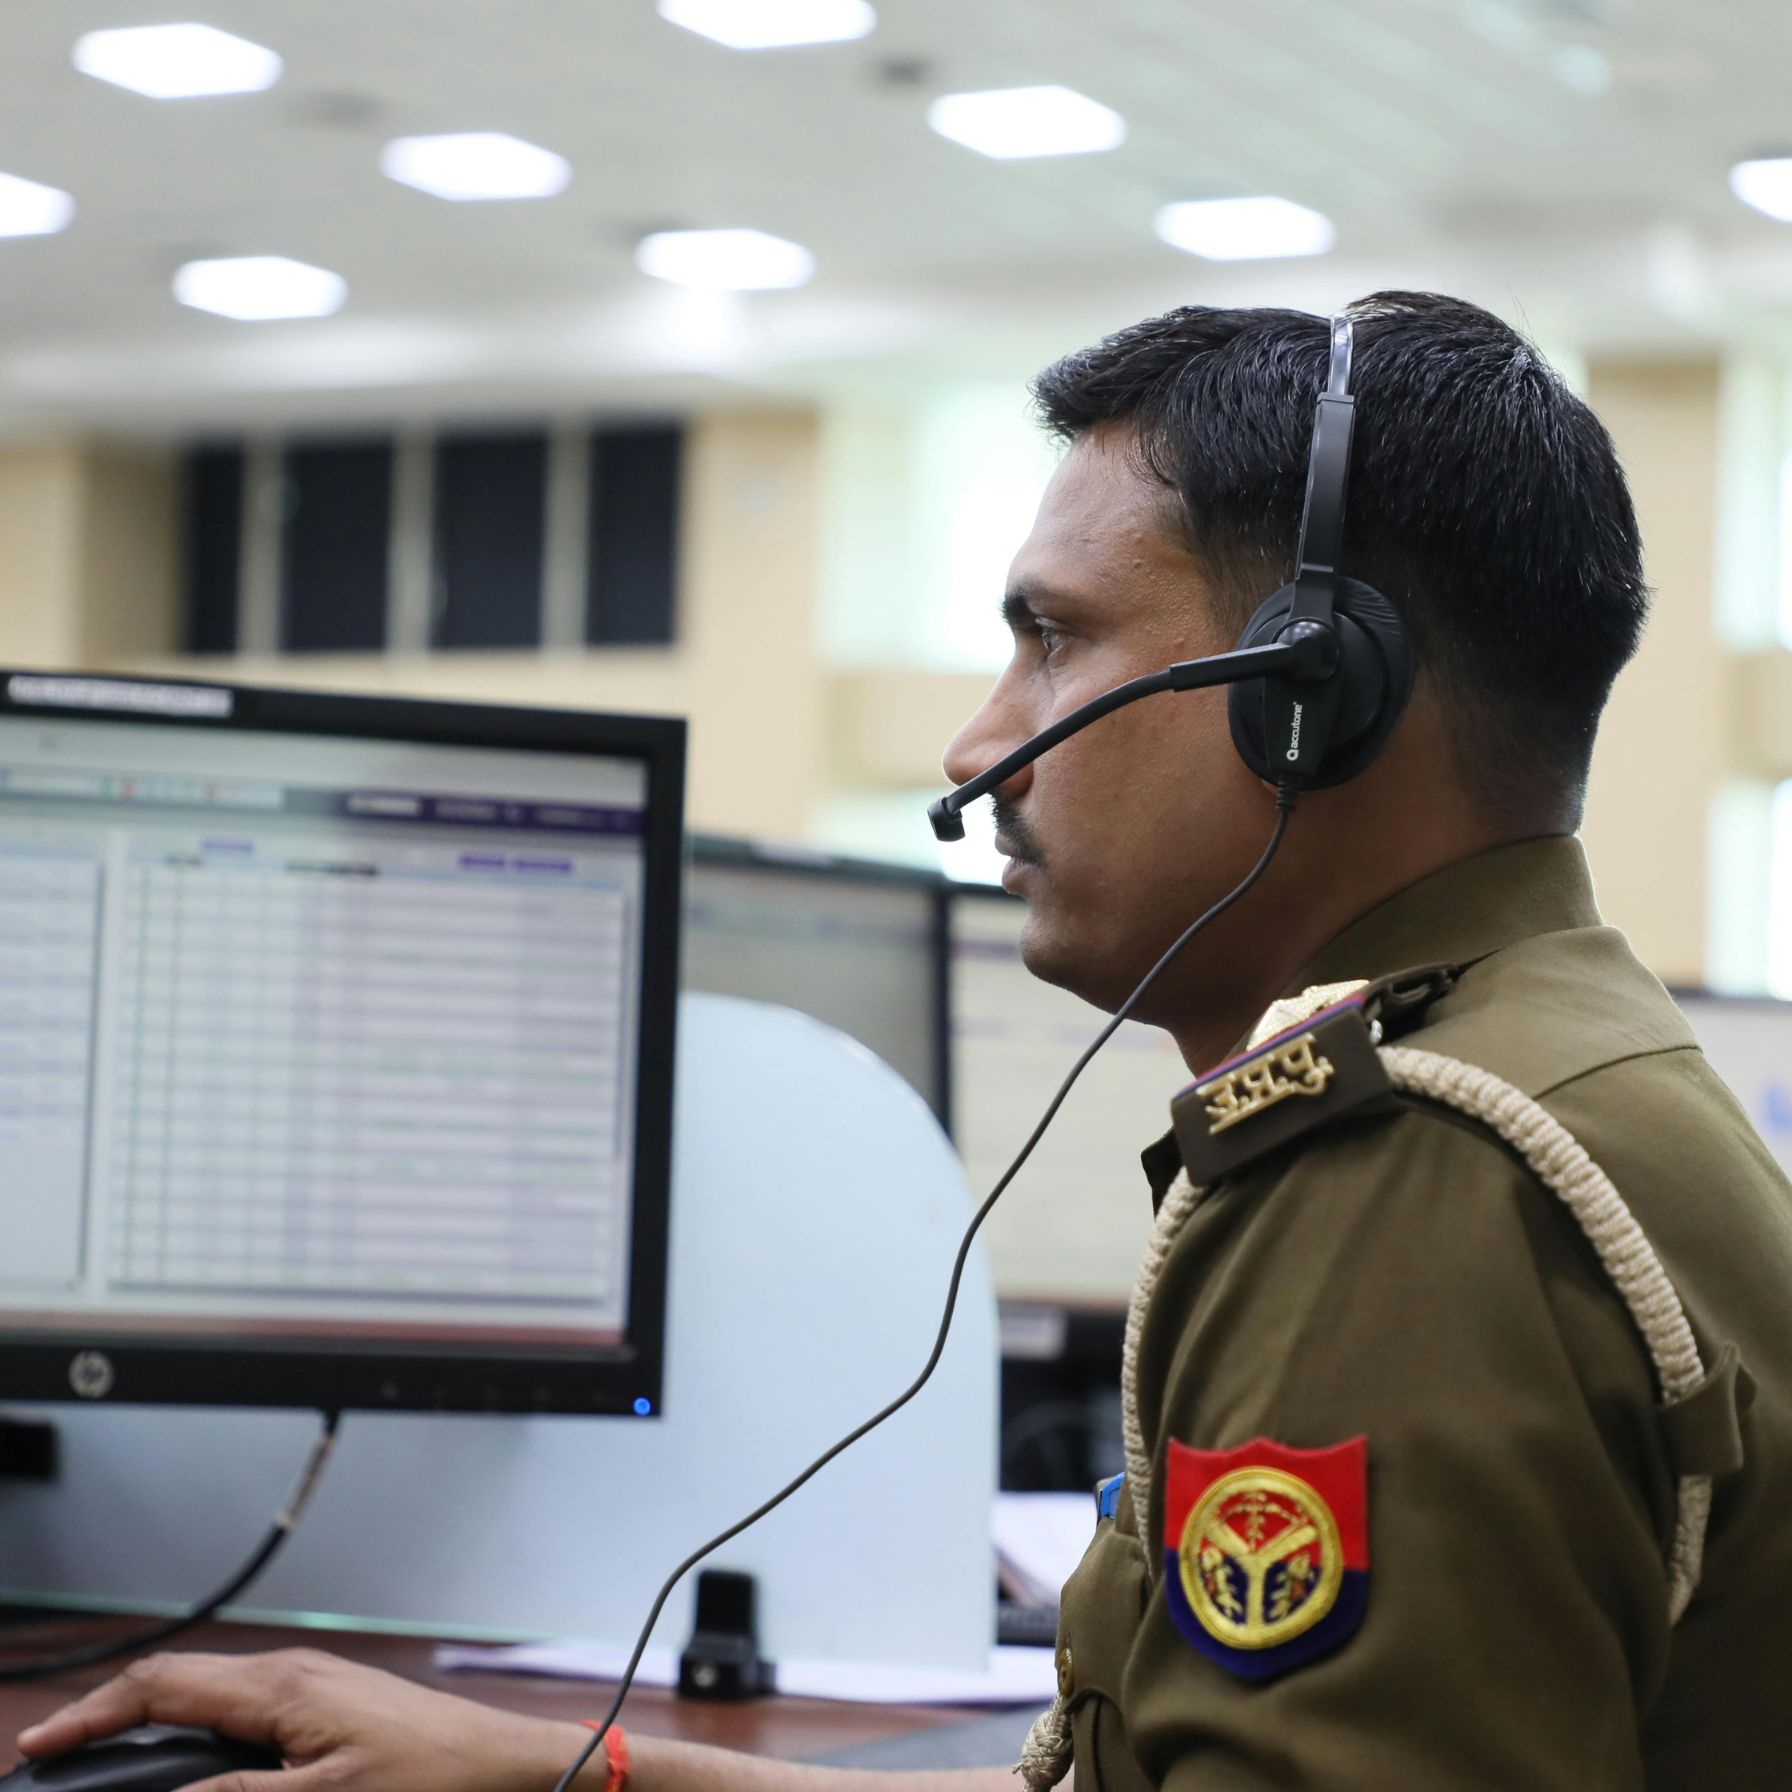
[[154, 1758]]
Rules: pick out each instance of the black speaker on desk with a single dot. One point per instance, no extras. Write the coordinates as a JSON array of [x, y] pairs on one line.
[[722, 1660]]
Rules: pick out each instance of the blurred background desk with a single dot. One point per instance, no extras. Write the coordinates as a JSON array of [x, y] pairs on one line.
[[793, 1729]]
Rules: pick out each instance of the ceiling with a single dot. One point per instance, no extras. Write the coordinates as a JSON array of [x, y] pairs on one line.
[[1563, 161]]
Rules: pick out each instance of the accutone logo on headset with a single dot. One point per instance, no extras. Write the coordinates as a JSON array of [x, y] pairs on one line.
[[1293, 752]]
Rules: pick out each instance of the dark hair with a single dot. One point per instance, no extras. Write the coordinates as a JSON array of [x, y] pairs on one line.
[[1486, 502]]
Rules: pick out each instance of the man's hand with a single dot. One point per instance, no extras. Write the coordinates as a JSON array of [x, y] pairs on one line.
[[340, 1726]]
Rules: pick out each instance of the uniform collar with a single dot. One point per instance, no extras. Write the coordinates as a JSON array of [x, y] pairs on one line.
[[1465, 912]]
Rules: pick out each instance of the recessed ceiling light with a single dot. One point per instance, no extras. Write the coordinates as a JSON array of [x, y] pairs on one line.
[[1027, 121], [772, 24], [1245, 229], [177, 62], [28, 209], [1766, 185], [476, 165], [257, 288], [724, 260]]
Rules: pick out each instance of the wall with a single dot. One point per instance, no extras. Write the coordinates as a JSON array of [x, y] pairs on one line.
[[89, 557], [1664, 748], [40, 532], [746, 667]]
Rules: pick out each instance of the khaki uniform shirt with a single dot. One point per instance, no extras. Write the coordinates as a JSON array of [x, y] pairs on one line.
[[1405, 1278]]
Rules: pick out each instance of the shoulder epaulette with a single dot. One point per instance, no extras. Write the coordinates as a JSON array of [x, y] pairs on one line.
[[1320, 1069], [1294, 1083]]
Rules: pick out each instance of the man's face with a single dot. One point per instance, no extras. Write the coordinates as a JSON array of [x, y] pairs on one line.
[[1122, 835]]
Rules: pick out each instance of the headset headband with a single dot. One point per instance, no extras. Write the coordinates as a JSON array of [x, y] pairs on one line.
[[1328, 479]]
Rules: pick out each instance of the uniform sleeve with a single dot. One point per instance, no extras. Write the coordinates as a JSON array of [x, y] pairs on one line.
[[1408, 1281]]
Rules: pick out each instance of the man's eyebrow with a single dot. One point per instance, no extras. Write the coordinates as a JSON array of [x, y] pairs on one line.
[[1022, 602]]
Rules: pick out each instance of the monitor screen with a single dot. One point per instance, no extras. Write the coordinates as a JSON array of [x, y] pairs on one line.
[[1072, 1225], [335, 1045], [856, 944], [1749, 1042]]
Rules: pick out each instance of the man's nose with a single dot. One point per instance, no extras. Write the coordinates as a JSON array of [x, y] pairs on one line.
[[992, 732]]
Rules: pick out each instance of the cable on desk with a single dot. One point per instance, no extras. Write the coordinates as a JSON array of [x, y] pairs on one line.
[[282, 1528]]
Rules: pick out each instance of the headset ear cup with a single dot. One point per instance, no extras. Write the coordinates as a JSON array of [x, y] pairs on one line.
[[1245, 700], [1376, 669]]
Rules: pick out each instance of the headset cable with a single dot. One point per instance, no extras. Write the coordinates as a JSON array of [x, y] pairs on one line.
[[1287, 795]]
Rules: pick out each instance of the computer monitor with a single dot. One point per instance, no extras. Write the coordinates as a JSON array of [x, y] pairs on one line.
[[1071, 1227], [858, 944], [336, 1045], [1749, 1042]]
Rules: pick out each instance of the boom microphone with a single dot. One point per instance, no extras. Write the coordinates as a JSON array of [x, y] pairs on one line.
[[1308, 655]]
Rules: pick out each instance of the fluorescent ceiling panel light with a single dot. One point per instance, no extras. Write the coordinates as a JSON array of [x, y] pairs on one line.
[[177, 62], [28, 209], [772, 24], [1009, 122], [1766, 185], [1245, 229], [724, 260], [257, 288], [476, 165]]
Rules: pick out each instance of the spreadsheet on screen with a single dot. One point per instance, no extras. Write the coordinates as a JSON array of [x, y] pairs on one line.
[[316, 1037]]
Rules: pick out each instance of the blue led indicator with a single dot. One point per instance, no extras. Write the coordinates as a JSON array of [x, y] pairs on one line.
[[643, 1406]]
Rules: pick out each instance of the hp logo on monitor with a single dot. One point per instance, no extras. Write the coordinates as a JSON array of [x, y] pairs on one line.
[[90, 1375]]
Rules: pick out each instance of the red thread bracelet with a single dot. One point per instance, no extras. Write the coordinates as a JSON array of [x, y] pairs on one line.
[[615, 1752]]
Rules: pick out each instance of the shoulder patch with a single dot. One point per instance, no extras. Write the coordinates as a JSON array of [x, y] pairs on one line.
[[1266, 1551], [1313, 1074]]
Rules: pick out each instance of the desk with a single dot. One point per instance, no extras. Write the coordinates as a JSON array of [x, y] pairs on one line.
[[790, 1729]]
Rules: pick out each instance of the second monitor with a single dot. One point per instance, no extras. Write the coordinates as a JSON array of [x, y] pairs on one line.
[[1072, 1227], [854, 943]]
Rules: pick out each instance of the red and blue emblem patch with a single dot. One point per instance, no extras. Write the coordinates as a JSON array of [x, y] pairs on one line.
[[1266, 1551]]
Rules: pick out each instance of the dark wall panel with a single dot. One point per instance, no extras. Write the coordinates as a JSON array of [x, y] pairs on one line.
[[333, 547], [634, 536], [491, 518], [214, 548]]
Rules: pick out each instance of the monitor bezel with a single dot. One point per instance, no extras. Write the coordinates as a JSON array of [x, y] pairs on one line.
[[731, 852], [196, 1371]]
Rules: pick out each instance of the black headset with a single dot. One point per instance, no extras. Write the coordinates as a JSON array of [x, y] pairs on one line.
[[1322, 673]]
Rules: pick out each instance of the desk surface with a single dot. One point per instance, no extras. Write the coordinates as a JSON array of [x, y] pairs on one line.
[[791, 1729]]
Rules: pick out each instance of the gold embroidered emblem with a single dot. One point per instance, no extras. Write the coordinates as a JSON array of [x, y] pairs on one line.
[[1291, 1069], [1261, 1558]]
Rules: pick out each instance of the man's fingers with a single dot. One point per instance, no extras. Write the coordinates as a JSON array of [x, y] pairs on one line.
[[297, 1779], [219, 1692], [116, 1706]]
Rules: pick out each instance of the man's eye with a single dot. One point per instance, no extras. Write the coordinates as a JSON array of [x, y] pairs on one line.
[[1048, 637]]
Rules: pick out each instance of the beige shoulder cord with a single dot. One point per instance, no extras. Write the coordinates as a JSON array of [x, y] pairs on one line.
[[1584, 1189], [1629, 1259]]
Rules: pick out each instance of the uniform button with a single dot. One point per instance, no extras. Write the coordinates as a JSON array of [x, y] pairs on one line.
[[1066, 1678]]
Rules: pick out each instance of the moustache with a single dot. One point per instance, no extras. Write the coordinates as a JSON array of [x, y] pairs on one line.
[[1016, 837]]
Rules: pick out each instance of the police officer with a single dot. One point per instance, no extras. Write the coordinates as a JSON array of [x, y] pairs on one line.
[[1459, 1383]]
